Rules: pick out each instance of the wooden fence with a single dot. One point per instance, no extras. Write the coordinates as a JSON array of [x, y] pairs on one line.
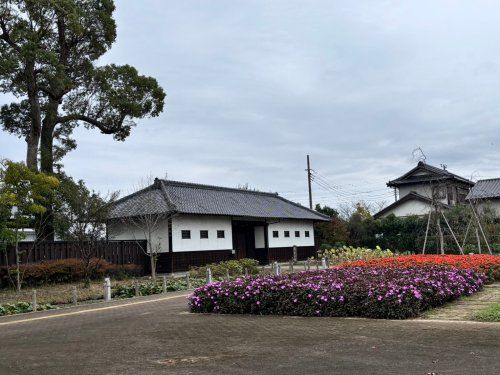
[[117, 252]]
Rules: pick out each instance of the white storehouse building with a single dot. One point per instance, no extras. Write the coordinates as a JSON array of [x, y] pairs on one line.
[[202, 224]]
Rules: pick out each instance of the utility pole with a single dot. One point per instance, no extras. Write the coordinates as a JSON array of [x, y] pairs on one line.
[[309, 182]]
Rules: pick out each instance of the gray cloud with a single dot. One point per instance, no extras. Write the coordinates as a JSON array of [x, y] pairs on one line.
[[254, 86]]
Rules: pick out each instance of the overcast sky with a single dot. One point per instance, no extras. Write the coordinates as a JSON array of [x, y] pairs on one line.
[[254, 86]]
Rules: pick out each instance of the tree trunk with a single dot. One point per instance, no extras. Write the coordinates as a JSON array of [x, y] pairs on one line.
[[153, 266], [47, 166], [18, 268], [47, 138], [33, 136]]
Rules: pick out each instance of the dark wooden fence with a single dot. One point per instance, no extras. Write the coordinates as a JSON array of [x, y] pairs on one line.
[[117, 252]]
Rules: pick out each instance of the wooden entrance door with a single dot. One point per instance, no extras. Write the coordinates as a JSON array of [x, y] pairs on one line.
[[243, 240]]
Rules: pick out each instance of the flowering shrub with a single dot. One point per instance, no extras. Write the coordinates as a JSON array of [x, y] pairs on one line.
[[349, 253], [489, 264], [377, 292]]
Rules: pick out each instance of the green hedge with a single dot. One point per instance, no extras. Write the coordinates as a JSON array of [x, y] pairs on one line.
[[67, 270]]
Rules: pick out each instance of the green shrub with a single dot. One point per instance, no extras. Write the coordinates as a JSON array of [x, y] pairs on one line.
[[67, 270], [349, 253], [151, 287], [22, 307], [235, 267]]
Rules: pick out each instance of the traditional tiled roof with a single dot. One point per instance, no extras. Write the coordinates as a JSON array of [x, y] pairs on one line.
[[485, 189], [187, 198], [433, 174]]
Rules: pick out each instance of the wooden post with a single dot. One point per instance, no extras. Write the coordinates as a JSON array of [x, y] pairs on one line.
[[309, 182], [33, 300], [209, 275], [478, 241], [295, 256], [75, 296]]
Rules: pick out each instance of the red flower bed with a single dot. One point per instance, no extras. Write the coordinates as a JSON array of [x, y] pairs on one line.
[[489, 264]]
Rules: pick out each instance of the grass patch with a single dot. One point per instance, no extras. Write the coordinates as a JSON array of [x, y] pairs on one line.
[[490, 314]]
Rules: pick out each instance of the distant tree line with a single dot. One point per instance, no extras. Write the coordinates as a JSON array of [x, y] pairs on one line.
[[406, 234]]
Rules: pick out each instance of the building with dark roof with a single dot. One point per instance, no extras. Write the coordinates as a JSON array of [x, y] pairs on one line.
[[486, 194], [424, 187], [203, 223]]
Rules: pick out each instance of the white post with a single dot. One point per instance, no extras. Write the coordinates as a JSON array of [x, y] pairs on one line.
[[276, 269], [188, 282], [323, 263], [164, 284], [75, 296], [227, 275], [290, 266], [33, 300], [246, 272], [209, 275], [107, 289], [136, 288], [295, 253]]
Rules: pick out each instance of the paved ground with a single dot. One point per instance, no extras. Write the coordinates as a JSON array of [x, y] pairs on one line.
[[156, 335], [466, 308]]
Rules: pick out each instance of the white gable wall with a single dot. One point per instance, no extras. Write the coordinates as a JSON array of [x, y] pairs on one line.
[[408, 208], [197, 223], [282, 241], [119, 231]]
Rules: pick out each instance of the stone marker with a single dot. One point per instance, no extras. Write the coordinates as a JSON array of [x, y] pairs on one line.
[[33, 300], [75, 295], [209, 275], [107, 289]]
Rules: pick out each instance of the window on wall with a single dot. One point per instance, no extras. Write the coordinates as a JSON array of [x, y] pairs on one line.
[[185, 234], [203, 234], [275, 234], [287, 233], [297, 233], [307, 233], [221, 234]]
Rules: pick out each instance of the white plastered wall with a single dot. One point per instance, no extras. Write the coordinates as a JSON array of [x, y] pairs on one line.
[[281, 240], [197, 223], [119, 231], [408, 208]]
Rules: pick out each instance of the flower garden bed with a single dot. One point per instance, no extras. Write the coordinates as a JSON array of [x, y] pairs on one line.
[[373, 292], [488, 264]]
